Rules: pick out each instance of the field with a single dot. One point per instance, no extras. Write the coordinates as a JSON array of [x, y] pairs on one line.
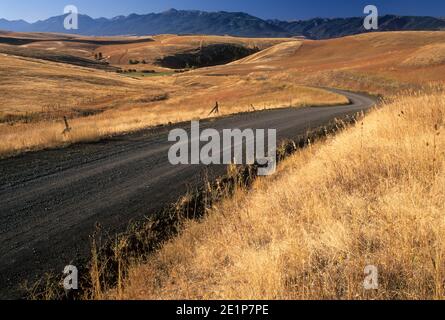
[[380, 63], [373, 195], [75, 78], [37, 91]]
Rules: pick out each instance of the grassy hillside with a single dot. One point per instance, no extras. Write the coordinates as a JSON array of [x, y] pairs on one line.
[[100, 103], [170, 45], [36, 95], [373, 195], [381, 63], [119, 51]]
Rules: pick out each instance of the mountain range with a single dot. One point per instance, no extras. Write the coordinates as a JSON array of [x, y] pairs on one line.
[[222, 23]]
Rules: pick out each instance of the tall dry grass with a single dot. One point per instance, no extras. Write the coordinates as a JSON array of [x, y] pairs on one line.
[[181, 106], [373, 195]]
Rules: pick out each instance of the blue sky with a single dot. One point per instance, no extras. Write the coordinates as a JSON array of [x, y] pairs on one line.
[[32, 10]]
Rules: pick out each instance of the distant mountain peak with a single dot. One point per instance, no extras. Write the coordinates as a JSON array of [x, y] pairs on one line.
[[171, 10], [221, 23], [117, 18], [326, 28]]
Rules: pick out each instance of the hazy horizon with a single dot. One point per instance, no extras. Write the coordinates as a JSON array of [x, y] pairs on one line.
[[272, 18], [279, 9]]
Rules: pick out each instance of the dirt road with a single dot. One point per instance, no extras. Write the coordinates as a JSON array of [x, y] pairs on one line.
[[51, 200]]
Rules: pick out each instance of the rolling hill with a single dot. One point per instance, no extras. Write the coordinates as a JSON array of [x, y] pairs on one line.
[[63, 78]]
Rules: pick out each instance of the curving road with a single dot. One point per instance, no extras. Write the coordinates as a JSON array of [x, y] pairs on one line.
[[51, 200]]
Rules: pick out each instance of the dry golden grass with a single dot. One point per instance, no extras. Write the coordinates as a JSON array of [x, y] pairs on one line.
[[373, 195], [36, 86], [368, 62], [39, 93], [165, 45], [33, 136], [120, 54], [429, 55], [42, 92]]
